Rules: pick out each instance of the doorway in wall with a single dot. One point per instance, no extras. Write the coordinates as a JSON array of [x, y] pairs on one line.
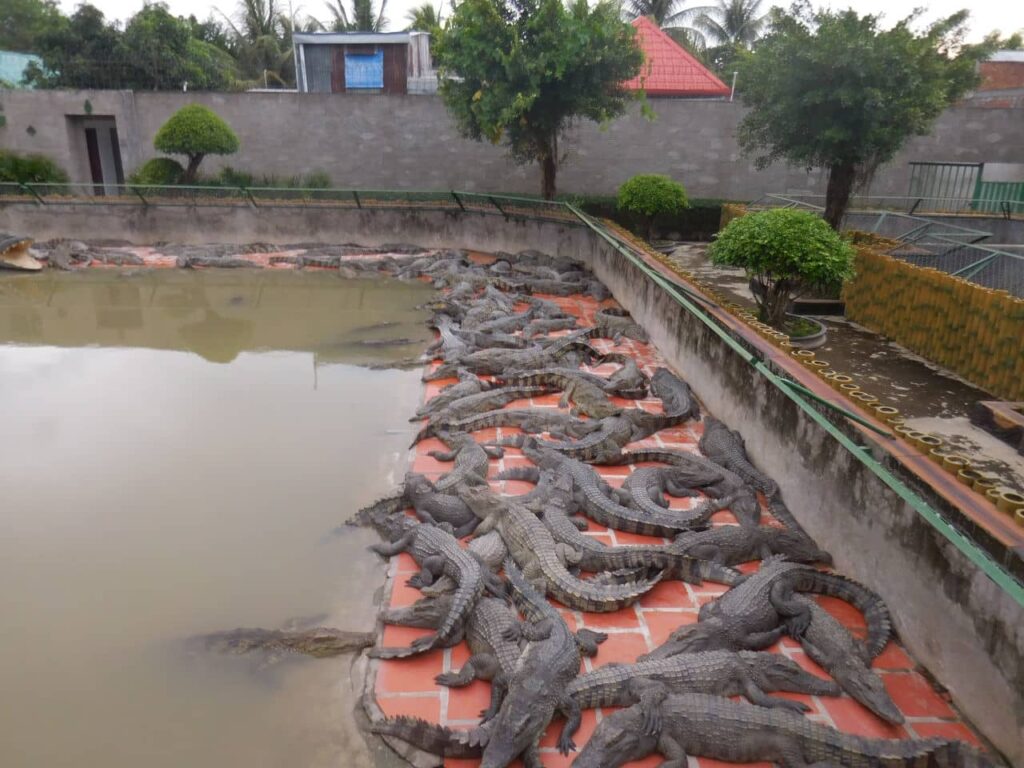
[[97, 138]]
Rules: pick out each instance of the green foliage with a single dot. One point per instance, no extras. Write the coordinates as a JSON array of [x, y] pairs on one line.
[[232, 177], [362, 16], [833, 90], [158, 172], [785, 252], [425, 18], [28, 169], [195, 131], [23, 21], [520, 71], [652, 194]]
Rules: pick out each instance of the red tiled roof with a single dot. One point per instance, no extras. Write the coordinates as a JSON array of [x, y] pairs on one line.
[[669, 70]]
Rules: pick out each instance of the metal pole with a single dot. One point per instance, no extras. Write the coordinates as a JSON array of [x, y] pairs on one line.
[[732, 92]]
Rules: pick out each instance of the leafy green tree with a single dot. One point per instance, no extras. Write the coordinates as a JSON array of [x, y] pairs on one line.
[[262, 42], [425, 18], [784, 252], [23, 21], [728, 22], [519, 72], [650, 195], [195, 131], [362, 16], [832, 90], [84, 53], [156, 45]]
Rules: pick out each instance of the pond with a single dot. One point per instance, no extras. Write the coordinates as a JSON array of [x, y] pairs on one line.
[[176, 448]]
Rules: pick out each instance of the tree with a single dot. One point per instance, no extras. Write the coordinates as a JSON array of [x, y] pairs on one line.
[[784, 252], [195, 131], [649, 195], [84, 53], [361, 17], [23, 21], [729, 22], [521, 71], [425, 18], [832, 90], [156, 45]]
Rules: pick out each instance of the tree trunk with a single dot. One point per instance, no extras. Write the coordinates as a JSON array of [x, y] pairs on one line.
[[548, 167], [192, 170], [841, 177], [775, 303]]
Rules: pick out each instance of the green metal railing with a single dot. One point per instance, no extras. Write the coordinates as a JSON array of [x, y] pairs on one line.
[[522, 206]]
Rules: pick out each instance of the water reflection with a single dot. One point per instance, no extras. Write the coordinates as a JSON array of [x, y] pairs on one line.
[[150, 495]]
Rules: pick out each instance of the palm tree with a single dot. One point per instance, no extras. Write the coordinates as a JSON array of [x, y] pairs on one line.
[[728, 22], [664, 12], [425, 18], [361, 17]]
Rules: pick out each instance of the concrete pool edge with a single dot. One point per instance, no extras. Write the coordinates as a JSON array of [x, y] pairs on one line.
[[968, 632]]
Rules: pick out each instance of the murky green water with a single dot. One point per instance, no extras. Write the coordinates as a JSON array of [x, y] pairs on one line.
[[175, 447]]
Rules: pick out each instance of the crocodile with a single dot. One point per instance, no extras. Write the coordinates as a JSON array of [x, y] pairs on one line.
[[434, 507], [529, 420], [489, 549], [468, 384], [471, 461], [701, 725], [492, 655], [496, 361], [836, 651], [472, 405], [721, 673], [725, 446], [449, 345], [735, 544], [531, 545], [589, 554], [627, 382], [509, 324], [674, 393], [734, 493], [645, 487], [594, 497], [615, 323], [543, 325], [587, 398], [492, 340], [537, 686], [756, 613], [318, 642], [438, 552]]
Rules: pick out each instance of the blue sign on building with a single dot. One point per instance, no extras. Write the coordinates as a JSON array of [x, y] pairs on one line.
[[364, 70]]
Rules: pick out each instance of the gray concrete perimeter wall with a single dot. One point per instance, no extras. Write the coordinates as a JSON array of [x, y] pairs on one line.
[[409, 142], [952, 617]]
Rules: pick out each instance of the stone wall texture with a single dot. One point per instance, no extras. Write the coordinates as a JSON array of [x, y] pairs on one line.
[[409, 142]]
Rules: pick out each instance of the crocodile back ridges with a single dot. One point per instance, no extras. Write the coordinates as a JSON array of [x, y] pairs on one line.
[[697, 713], [533, 605], [876, 613]]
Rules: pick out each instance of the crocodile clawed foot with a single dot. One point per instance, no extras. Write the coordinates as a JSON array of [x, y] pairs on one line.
[[566, 744]]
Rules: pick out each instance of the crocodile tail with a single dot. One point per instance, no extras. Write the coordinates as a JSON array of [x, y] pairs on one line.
[[909, 753], [589, 596], [526, 474], [435, 739], [531, 602], [371, 515], [781, 512], [876, 613], [420, 645]]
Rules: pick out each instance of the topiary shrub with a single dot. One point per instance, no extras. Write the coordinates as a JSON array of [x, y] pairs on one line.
[[784, 252], [158, 172], [649, 195], [30, 169], [195, 131]]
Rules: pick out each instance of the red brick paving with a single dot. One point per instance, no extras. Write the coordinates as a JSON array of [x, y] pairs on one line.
[[406, 686]]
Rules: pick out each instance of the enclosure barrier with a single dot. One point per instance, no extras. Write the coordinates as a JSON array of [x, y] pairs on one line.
[[458, 202], [974, 331]]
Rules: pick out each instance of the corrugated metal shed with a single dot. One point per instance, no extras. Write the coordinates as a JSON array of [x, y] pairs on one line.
[[670, 70]]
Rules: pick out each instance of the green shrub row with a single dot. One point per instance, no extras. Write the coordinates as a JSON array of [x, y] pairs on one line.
[[700, 221], [30, 169]]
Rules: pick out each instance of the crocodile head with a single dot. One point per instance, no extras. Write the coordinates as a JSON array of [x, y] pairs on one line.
[[774, 672], [798, 547], [482, 500], [619, 739], [417, 485], [525, 713], [866, 687], [427, 612]]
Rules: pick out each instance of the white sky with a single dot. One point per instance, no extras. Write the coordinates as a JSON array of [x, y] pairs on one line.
[[986, 15]]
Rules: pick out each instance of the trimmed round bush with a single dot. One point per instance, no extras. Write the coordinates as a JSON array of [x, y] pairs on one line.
[[649, 195], [785, 252], [30, 169], [158, 172], [195, 131]]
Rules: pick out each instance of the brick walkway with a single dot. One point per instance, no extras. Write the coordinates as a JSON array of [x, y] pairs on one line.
[[406, 687]]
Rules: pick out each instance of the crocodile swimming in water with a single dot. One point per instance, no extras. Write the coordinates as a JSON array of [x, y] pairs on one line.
[[699, 725]]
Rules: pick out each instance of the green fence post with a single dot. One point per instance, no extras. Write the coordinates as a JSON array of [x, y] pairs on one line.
[[32, 192], [458, 201]]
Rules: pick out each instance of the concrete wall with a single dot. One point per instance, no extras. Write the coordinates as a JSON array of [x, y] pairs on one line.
[[385, 142], [951, 616]]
